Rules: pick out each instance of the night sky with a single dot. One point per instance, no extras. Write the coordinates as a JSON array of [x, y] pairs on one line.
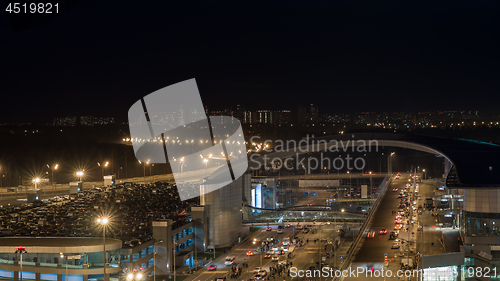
[[99, 57]]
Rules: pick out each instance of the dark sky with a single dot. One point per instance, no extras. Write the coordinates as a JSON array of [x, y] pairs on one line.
[[99, 57]]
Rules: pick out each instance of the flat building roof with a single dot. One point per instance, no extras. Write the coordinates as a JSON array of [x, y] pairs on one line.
[[58, 244]]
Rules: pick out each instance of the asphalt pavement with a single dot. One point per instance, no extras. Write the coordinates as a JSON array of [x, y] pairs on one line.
[[305, 256]]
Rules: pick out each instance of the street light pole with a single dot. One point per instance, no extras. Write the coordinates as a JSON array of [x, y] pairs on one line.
[[104, 169], [103, 221], [80, 174], [371, 184], [104, 250], [154, 259], [350, 187], [319, 229], [389, 162], [175, 246], [195, 251], [36, 180], [66, 258]]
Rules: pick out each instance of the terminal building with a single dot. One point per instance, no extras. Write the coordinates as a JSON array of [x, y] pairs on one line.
[[54, 258]]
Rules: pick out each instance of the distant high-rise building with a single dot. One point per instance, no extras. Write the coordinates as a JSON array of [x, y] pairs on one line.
[[301, 115], [248, 117], [281, 117], [239, 113], [313, 114], [94, 121], [65, 121], [263, 117]]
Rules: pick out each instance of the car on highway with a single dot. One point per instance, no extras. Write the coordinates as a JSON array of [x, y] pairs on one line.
[[434, 213], [249, 253], [229, 260], [398, 226], [223, 278], [279, 231], [212, 267], [383, 231], [393, 235], [258, 269], [269, 228], [267, 256], [276, 258], [395, 189], [395, 245]]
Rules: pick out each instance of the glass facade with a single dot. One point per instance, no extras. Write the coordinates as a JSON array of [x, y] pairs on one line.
[[182, 234], [180, 247], [482, 224], [178, 236]]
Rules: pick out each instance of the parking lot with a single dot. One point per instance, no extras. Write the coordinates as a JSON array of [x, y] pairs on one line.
[[130, 207]]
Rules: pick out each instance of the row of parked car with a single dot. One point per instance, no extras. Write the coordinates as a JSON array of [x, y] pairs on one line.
[[131, 209]]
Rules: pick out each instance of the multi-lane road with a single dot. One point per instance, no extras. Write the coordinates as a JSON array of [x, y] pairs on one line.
[[305, 256], [370, 252]]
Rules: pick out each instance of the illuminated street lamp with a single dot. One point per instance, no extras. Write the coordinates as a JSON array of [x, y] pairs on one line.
[[80, 174], [150, 174], [104, 221], [350, 187], [52, 170], [424, 173], [206, 165], [182, 163], [36, 180], [104, 168], [371, 183], [389, 162]]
